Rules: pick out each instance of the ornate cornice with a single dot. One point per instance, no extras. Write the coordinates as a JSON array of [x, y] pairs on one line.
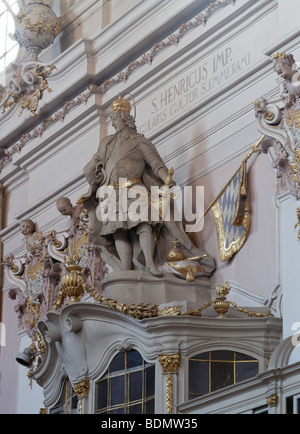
[[121, 77]]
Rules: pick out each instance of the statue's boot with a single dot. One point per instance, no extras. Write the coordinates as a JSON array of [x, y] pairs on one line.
[[154, 271], [146, 240]]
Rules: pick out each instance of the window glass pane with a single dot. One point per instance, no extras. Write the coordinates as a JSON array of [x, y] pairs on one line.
[[118, 410], [240, 356], [149, 406], [135, 385], [1, 64], [15, 7], [134, 359], [118, 363], [135, 409], [222, 355], [221, 375], [8, 46], [218, 369], [117, 390], [202, 356], [246, 370], [289, 405], [150, 380], [127, 387], [3, 37], [101, 394], [198, 378], [11, 55]]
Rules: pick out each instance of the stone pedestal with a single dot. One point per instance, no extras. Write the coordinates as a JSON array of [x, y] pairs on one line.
[[134, 287]]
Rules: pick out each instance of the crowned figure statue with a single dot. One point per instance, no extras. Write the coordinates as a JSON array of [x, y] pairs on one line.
[[121, 175]]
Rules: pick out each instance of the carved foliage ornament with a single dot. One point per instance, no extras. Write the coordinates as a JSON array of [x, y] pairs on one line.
[[169, 362]]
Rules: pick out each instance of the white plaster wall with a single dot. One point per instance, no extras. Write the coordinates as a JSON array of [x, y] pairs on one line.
[[8, 367], [120, 8], [85, 19], [290, 274], [288, 10]]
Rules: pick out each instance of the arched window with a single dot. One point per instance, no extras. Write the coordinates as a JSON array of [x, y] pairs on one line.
[[217, 369], [67, 402], [8, 46], [127, 387]]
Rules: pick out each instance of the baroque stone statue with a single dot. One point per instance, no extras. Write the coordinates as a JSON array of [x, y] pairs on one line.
[[286, 67], [121, 174]]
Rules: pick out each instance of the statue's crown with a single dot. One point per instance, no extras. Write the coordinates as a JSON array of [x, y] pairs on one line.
[[283, 58], [120, 104], [280, 56]]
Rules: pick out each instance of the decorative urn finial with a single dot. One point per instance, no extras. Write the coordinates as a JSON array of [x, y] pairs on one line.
[[72, 283], [36, 27]]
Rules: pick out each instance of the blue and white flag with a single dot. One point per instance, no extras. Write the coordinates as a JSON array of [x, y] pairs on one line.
[[232, 215]]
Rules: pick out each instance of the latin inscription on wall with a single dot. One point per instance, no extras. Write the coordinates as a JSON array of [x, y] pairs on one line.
[[191, 87]]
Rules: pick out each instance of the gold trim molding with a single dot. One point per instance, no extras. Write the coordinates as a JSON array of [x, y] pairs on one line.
[[142, 311]]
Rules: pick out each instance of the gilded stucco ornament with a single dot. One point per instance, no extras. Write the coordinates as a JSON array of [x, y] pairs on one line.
[[221, 305], [26, 86], [51, 271], [82, 390], [272, 400], [279, 121]]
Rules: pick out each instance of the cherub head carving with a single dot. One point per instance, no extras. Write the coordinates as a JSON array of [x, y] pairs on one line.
[[284, 65], [27, 227]]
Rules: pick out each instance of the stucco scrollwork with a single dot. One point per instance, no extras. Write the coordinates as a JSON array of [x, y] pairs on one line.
[[279, 121]]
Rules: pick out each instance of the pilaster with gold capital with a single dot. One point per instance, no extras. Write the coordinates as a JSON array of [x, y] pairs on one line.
[[82, 391], [170, 364]]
